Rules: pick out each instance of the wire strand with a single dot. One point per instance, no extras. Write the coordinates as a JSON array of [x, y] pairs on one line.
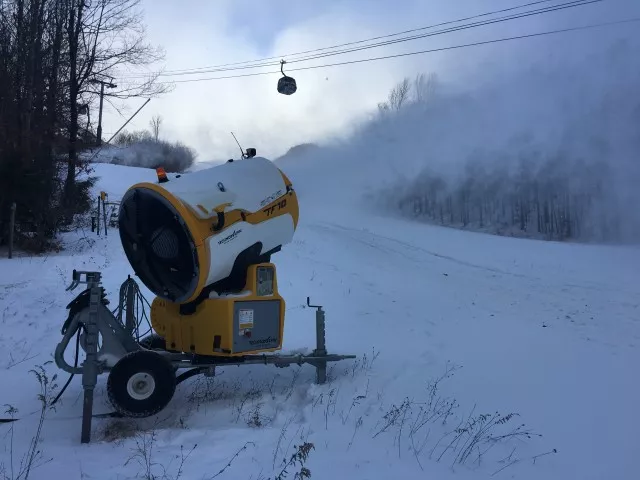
[[264, 62], [367, 39], [573, 4], [399, 55]]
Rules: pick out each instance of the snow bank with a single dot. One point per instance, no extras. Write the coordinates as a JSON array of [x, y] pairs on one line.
[[454, 333]]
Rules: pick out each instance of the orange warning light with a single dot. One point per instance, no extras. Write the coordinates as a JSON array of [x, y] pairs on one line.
[[162, 175]]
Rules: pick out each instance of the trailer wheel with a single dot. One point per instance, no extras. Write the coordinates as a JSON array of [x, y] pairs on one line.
[[141, 384]]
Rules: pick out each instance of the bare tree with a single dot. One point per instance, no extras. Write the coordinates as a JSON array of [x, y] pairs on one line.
[[399, 94], [419, 87], [424, 87], [104, 37], [32, 72], [155, 123], [524, 192], [50, 51], [383, 107], [550, 201]]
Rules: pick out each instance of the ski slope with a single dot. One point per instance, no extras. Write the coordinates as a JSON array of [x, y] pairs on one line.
[[546, 330]]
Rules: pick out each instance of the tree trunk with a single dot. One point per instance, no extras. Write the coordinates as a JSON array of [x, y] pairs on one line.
[[73, 33]]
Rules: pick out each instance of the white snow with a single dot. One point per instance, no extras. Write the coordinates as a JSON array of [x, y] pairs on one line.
[[547, 330]]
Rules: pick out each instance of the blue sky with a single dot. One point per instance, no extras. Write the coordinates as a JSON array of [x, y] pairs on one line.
[[329, 102]]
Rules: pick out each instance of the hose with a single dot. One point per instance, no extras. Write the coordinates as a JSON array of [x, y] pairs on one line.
[[75, 364]]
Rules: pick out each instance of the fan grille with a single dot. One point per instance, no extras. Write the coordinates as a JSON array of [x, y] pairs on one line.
[[158, 244]]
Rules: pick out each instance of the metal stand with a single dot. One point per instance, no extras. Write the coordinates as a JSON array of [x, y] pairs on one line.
[[116, 335], [91, 367], [127, 293], [96, 321], [104, 218], [321, 344], [98, 217]]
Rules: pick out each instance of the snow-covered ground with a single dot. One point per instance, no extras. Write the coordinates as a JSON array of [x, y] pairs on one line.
[[453, 331]]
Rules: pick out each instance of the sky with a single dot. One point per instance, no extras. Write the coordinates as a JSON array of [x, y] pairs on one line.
[[330, 102]]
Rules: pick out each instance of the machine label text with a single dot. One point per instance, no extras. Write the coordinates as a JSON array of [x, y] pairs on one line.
[[278, 206], [264, 341], [229, 237], [271, 198]]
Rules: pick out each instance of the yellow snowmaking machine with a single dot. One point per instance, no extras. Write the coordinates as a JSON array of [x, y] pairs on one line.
[[202, 243]]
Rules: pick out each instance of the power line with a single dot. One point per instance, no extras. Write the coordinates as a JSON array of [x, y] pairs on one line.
[[277, 57], [263, 62], [573, 4], [386, 57]]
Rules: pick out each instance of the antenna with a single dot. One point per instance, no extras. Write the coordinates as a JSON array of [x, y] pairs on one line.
[[239, 146], [250, 153]]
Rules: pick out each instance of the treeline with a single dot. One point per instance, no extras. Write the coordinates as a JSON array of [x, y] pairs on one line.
[[145, 148], [522, 189], [53, 55], [541, 202]]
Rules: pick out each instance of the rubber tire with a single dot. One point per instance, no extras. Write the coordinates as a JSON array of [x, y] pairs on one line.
[[141, 361], [154, 342]]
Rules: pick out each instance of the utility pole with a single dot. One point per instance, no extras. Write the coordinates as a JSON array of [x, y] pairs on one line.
[[102, 85]]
